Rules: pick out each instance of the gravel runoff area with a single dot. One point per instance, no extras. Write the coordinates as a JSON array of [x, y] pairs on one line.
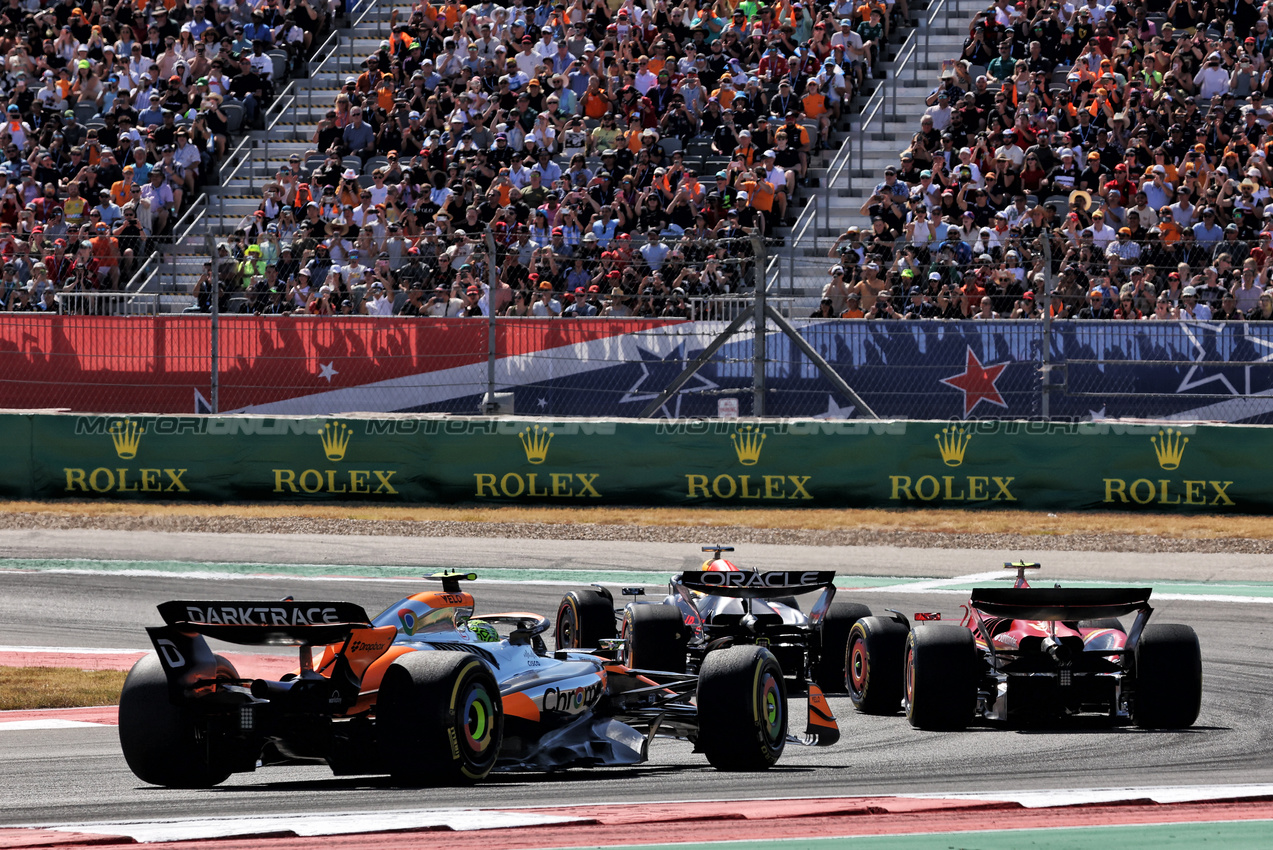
[[1091, 542]]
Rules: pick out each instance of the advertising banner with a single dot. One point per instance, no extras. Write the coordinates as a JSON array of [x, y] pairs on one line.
[[788, 463]]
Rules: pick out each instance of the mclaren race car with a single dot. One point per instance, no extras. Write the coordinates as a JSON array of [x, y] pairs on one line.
[[427, 694], [715, 607], [1024, 655]]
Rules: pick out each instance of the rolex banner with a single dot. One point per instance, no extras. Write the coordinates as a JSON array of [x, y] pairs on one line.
[[815, 463]]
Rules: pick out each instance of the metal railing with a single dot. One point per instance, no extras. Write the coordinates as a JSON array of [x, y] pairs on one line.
[[109, 303]]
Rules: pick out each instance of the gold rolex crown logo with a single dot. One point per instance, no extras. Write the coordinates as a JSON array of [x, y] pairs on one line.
[[1169, 446], [952, 442], [535, 441], [335, 437], [126, 435], [747, 445]]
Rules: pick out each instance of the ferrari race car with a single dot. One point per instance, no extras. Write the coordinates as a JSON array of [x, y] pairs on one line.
[[425, 693], [1023, 655], [715, 607]]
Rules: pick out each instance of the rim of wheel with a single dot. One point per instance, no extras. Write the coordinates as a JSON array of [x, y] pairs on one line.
[[479, 719], [771, 706], [857, 665], [910, 677], [566, 626]]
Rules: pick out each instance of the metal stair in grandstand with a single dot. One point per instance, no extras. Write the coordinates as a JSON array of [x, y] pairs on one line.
[[798, 266], [891, 116]]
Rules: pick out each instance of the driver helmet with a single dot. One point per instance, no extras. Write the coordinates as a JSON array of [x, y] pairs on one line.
[[483, 631]]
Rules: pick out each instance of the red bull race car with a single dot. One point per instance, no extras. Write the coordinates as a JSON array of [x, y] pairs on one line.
[[715, 607], [429, 695], [1022, 655]]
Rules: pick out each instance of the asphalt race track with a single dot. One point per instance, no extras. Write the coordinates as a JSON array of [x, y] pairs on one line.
[[77, 775]]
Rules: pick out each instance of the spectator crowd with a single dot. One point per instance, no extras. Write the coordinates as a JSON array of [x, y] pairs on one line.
[[117, 113], [593, 157], [1087, 160]]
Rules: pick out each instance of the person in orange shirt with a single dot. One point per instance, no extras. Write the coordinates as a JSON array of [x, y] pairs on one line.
[[726, 93], [853, 307], [596, 102], [1167, 227], [369, 78], [122, 190], [106, 253], [817, 109], [760, 195]]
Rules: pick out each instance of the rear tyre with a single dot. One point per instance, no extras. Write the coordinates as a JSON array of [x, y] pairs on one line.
[[940, 677], [439, 719], [1168, 678], [742, 709], [876, 656], [833, 642], [165, 744], [585, 617], [655, 638], [1103, 623]]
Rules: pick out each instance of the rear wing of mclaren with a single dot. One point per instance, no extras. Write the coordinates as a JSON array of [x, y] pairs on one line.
[[267, 623], [192, 668], [1059, 603], [744, 584]]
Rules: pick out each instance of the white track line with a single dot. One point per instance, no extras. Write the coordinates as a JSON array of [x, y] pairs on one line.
[[313, 824], [1084, 796]]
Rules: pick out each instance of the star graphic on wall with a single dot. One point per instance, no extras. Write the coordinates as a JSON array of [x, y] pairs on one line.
[[835, 411], [327, 371], [977, 383], [657, 372]]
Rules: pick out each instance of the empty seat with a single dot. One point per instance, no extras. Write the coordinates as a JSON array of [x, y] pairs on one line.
[[233, 116]]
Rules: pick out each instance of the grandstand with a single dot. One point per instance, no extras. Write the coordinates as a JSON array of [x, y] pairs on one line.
[[167, 283]]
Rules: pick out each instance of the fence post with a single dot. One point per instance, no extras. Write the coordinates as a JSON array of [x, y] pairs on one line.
[[491, 347], [758, 347], [1045, 402], [214, 401]]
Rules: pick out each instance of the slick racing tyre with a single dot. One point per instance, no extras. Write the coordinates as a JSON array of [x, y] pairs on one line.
[[585, 617], [874, 676], [165, 744], [655, 638], [439, 719], [940, 677], [833, 642], [742, 709], [1168, 691]]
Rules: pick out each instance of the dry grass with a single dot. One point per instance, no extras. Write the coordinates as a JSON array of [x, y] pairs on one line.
[[58, 687], [1196, 526]]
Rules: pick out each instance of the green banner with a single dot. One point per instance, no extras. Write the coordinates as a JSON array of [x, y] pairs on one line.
[[790, 463]]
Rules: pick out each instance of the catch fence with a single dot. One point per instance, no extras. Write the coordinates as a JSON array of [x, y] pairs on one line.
[[319, 365]]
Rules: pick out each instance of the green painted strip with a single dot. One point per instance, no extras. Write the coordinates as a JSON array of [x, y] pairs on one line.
[[1231, 835], [221, 569], [325, 571]]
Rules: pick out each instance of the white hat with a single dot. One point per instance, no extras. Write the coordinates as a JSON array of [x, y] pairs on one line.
[[350, 174]]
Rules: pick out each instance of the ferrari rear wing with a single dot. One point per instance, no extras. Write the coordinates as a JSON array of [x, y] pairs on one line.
[[1059, 603], [740, 584], [267, 623]]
